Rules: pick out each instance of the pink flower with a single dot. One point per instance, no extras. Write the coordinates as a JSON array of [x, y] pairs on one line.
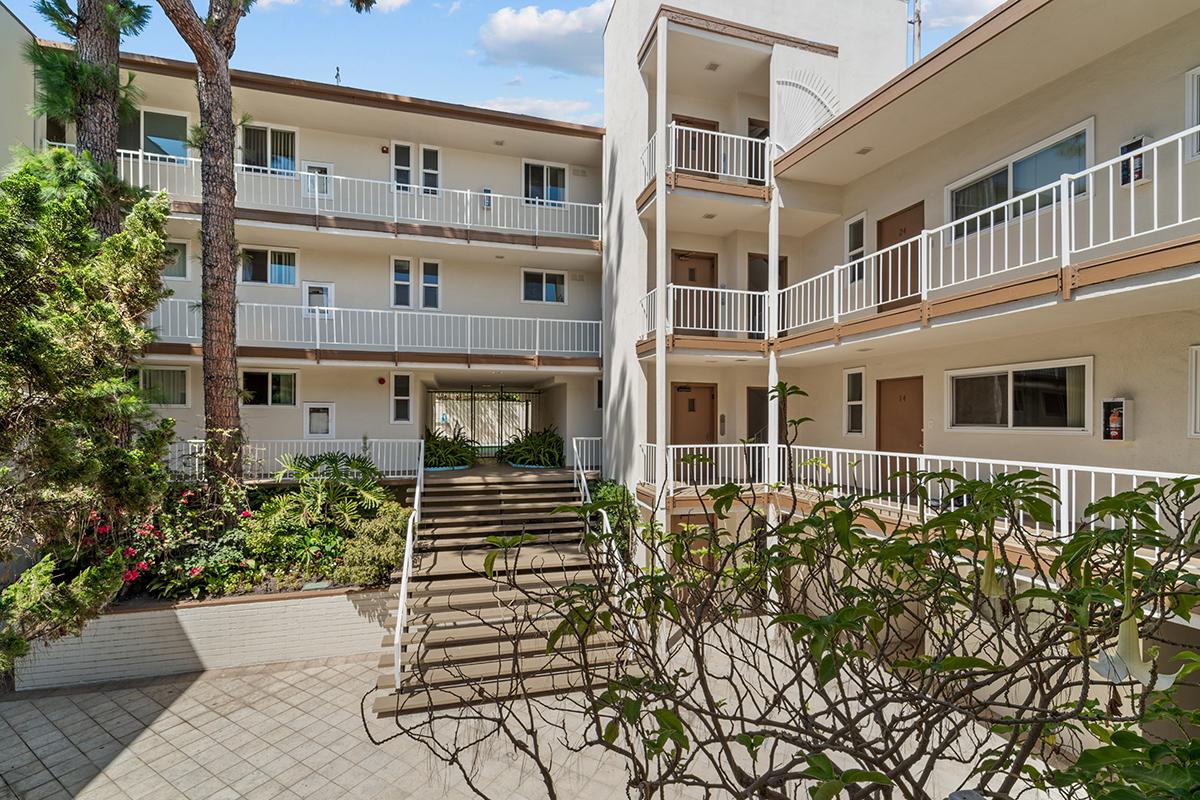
[[103, 529], [143, 565], [93, 516], [131, 575], [194, 571], [130, 552], [246, 514]]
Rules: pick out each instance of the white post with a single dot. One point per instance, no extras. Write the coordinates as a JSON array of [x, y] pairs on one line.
[[772, 331], [661, 267], [1064, 225]]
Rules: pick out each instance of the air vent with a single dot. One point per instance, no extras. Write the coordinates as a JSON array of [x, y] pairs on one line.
[[712, 66], [863, 151], [710, 215]]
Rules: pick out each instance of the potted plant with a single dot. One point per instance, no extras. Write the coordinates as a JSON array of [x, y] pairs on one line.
[[450, 451], [534, 449]]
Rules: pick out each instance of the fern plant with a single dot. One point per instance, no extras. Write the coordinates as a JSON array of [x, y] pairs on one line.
[[542, 448], [443, 451], [331, 489]]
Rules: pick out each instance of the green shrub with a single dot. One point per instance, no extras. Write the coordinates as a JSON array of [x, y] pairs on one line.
[[453, 450], [376, 548], [542, 448], [617, 502]]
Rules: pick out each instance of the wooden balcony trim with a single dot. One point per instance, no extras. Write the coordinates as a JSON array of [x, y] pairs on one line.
[[683, 180], [382, 356]]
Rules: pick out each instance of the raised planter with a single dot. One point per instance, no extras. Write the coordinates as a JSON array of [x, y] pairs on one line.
[[447, 469], [531, 466], [170, 638]]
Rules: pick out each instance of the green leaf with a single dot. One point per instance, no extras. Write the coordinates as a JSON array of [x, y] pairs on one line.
[[827, 790], [611, 730], [866, 776], [956, 663]]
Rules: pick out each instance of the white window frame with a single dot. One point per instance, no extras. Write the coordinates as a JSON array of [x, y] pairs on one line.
[[269, 250], [311, 188], [141, 120], [1087, 362], [1191, 150], [1194, 391], [856, 276], [187, 382], [438, 285], [270, 372], [847, 402], [332, 420], [413, 153], [544, 273], [1088, 126], [392, 399], [566, 168], [432, 191], [187, 261], [268, 170], [412, 305], [315, 311]]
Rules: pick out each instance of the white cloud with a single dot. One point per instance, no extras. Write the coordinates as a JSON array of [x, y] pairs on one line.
[[388, 5], [570, 110], [568, 41], [955, 13], [454, 7], [516, 80], [274, 3]]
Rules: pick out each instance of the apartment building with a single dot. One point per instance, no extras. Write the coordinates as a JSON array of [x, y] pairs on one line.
[[983, 263], [406, 264]]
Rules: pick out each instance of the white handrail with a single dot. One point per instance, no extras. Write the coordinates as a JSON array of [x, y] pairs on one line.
[[727, 156], [716, 311], [272, 324], [263, 458], [410, 539]]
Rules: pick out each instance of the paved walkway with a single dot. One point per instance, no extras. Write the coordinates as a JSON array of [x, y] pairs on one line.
[[285, 734]]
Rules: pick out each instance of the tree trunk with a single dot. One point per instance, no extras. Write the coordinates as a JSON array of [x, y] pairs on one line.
[[98, 45], [222, 416]]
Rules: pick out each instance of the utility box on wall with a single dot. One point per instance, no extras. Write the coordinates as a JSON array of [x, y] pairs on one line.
[[1115, 419]]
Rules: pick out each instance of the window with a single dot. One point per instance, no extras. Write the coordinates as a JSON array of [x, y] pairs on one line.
[[431, 292], [157, 133], [1192, 104], [1050, 396], [856, 245], [402, 282], [164, 386], [273, 267], [599, 394], [543, 287], [401, 398], [269, 150], [268, 388], [431, 169], [545, 182], [316, 178], [318, 299], [1194, 391], [1036, 166], [318, 420], [853, 401], [177, 265], [402, 166]]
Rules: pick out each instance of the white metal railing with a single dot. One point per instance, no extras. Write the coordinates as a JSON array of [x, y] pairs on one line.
[[338, 195], [649, 463], [410, 542], [649, 304], [717, 464], [588, 452], [650, 159], [177, 319], [264, 458], [714, 154], [1152, 190], [710, 311]]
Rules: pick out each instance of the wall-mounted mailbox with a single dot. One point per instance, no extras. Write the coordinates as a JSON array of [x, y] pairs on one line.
[[1115, 419]]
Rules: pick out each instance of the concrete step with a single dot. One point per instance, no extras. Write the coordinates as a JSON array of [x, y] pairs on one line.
[[431, 676], [420, 586], [433, 501], [505, 687], [528, 558], [498, 527], [456, 542], [455, 651]]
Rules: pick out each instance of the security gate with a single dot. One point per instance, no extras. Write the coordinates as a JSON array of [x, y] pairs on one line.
[[489, 416]]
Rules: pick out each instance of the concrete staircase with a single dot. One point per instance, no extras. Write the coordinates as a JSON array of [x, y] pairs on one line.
[[470, 639]]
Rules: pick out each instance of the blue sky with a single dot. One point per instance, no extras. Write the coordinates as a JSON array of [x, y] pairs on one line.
[[535, 59]]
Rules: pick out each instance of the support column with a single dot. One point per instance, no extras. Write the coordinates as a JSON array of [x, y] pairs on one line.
[[773, 402], [662, 272]]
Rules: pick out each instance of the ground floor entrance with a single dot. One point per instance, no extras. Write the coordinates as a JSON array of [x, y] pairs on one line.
[[489, 416]]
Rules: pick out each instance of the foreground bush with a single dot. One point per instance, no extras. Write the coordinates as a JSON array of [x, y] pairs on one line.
[[542, 448]]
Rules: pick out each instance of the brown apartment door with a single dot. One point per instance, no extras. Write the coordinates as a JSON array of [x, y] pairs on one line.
[[899, 428], [897, 270], [694, 421], [695, 313], [756, 281], [696, 153]]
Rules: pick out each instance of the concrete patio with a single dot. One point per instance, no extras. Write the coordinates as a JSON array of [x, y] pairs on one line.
[[291, 732]]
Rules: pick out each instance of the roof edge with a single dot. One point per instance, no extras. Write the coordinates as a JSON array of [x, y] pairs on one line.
[[298, 87], [979, 33]]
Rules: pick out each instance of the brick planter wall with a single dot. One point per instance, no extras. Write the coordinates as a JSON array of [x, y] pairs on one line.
[[174, 638]]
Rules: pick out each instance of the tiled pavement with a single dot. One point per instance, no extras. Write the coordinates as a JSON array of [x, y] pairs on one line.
[[288, 734]]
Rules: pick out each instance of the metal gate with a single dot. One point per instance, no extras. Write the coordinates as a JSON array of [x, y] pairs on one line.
[[489, 416]]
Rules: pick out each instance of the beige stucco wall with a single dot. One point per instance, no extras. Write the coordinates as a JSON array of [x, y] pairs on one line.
[[16, 86], [1144, 359]]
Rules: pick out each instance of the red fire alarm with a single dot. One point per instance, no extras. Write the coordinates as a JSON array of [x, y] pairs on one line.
[[383, 149], [382, 381]]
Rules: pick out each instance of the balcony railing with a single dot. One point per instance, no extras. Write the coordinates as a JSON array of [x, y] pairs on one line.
[[703, 311], [395, 458], [1142, 196], [712, 154], [886, 477], [362, 198], [178, 320]]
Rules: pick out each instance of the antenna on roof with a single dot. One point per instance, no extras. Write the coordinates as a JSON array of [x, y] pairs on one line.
[[337, 75], [916, 28]]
